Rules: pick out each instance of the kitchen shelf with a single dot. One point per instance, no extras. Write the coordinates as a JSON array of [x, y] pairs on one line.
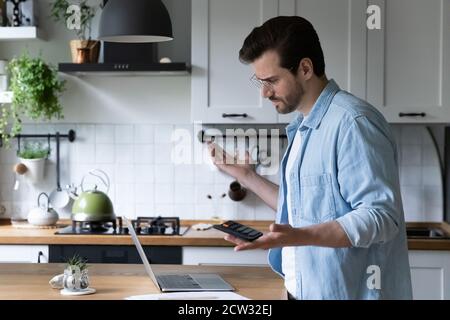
[[6, 97], [125, 69], [19, 33]]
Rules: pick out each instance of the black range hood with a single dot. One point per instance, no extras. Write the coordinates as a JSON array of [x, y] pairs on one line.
[[128, 59], [124, 69]]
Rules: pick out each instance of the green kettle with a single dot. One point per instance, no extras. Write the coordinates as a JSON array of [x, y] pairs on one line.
[[93, 205]]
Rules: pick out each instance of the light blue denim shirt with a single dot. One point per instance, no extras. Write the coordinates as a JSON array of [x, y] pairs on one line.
[[347, 172]]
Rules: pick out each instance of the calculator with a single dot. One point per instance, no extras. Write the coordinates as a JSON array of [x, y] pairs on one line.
[[238, 230]]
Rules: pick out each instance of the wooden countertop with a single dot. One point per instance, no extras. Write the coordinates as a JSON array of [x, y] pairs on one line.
[[208, 238], [117, 281]]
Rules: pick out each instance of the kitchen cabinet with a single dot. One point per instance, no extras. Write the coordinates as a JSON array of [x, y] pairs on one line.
[[430, 274], [220, 86], [115, 254], [225, 256], [221, 90], [341, 27], [408, 61], [23, 254], [403, 68]]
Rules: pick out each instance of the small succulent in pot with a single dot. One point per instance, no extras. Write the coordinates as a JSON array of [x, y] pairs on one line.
[[76, 274]]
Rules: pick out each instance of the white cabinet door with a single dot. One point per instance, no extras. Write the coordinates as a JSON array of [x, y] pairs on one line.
[[409, 61], [430, 274], [223, 256], [23, 254], [221, 89], [341, 27]]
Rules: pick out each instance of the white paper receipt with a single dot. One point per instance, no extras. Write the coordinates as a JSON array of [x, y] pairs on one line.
[[203, 295]]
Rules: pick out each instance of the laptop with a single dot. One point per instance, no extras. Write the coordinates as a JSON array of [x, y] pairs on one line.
[[179, 282]]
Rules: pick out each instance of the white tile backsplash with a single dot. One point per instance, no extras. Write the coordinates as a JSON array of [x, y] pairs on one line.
[[163, 134], [184, 211], [144, 193], [124, 173], [411, 176], [144, 154], [164, 194], [85, 153], [105, 153], [145, 210], [184, 173], [144, 173], [411, 155], [164, 173], [9, 156], [184, 194], [429, 157], [145, 181], [431, 176], [85, 133], [126, 193], [204, 211], [124, 134], [167, 210], [411, 135], [144, 134], [104, 134], [162, 154], [124, 153]]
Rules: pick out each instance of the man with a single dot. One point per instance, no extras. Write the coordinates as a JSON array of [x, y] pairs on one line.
[[340, 229]]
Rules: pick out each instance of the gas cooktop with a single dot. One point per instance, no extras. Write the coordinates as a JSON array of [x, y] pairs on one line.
[[161, 226]]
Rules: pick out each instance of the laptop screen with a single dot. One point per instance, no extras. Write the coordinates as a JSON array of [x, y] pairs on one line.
[[141, 252]]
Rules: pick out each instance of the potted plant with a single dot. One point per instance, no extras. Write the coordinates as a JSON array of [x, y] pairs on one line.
[[76, 274], [78, 17], [36, 88], [32, 159]]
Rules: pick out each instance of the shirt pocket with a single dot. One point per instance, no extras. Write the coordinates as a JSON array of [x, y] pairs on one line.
[[317, 201]]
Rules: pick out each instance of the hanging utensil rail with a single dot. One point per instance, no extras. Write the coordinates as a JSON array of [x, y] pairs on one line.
[[71, 136]]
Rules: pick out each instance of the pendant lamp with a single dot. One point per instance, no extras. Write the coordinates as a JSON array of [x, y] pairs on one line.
[[135, 21]]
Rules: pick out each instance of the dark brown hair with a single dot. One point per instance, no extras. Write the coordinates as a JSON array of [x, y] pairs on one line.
[[293, 38]]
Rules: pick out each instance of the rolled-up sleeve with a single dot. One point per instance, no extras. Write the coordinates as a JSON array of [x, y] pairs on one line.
[[368, 182]]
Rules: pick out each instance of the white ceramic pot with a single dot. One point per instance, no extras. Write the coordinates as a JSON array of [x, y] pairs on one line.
[[36, 169]]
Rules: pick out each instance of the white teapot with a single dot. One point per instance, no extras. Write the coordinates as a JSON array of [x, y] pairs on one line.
[[43, 215]]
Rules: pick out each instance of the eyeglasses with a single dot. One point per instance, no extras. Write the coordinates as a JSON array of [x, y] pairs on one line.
[[261, 83], [267, 84]]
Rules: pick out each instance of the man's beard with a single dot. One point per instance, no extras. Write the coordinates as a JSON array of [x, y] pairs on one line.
[[290, 103]]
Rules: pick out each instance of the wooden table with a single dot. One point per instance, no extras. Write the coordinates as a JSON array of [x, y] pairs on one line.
[[117, 281]]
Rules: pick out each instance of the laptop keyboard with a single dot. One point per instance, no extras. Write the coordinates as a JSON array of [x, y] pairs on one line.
[[177, 281]]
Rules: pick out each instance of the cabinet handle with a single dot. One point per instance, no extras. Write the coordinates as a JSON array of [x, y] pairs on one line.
[[412, 114], [234, 115], [39, 256]]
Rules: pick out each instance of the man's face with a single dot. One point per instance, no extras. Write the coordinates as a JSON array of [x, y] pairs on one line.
[[280, 85]]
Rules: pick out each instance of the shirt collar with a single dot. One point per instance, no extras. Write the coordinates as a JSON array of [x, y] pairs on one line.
[[318, 110]]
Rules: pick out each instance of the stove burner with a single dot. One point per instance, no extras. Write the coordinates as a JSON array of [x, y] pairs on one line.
[[142, 225], [158, 225], [94, 227]]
